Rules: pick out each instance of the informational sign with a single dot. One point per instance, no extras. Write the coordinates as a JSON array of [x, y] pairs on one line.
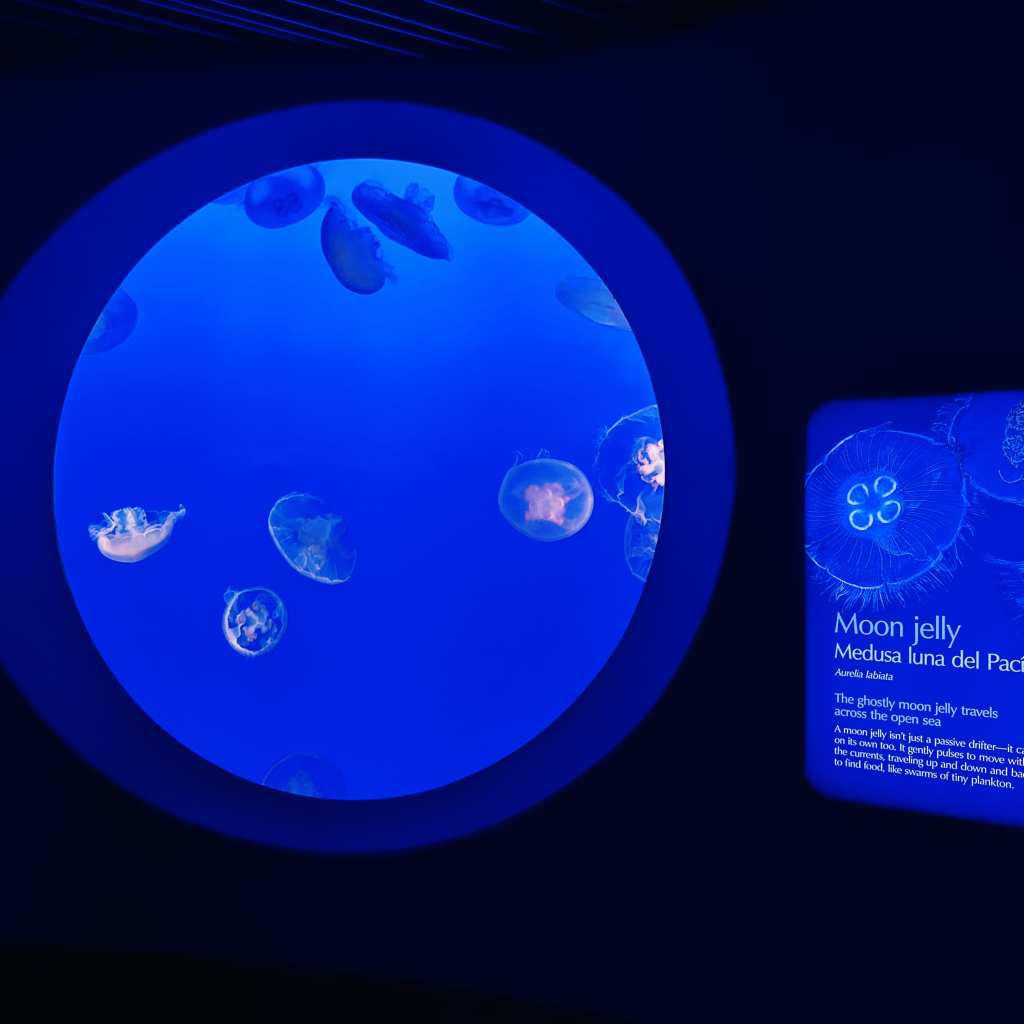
[[914, 535]]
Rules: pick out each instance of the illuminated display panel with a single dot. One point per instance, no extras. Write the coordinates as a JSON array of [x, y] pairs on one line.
[[914, 528], [418, 473]]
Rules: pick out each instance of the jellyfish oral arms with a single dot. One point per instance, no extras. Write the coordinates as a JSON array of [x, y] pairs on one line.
[[353, 253], [254, 620], [115, 324], [132, 534], [280, 200], [589, 297], [546, 499], [987, 432], [406, 220], [883, 513], [487, 205], [312, 538], [307, 775]]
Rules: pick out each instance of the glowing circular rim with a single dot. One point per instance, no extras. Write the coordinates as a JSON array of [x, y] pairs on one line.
[[69, 684]]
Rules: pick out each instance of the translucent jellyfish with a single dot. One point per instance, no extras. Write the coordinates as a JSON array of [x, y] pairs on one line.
[[884, 510], [313, 539], [406, 221], [487, 205], [132, 534], [546, 499], [352, 252], [987, 432], [589, 297], [280, 200], [630, 472], [254, 620], [307, 775], [115, 324], [236, 197]]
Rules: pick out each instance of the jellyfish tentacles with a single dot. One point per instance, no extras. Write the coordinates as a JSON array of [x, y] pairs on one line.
[[280, 200], [987, 432], [487, 205], [406, 220], [307, 774], [884, 512], [546, 499], [132, 534], [312, 538], [255, 619], [589, 297], [115, 324], [353, 253]]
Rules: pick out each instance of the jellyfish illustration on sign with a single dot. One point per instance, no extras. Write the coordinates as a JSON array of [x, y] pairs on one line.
[[589, 297], [407, 220], [280, 200], [132, 534], [254, 620], [487, 205], [546, 499], [630, 472], [987, 432], [115, 324], [884, 511], [312, 538], [353, 253], [236, 197], [307, 774]]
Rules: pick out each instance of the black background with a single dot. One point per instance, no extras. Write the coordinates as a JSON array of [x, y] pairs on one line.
[[841, 184]]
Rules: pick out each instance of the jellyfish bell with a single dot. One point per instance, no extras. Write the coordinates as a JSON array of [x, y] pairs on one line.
[[254, 620], [487, 205], [884, 511], [115, 324], [630, 460], [307, 774], [987, 432], [312, 538], [353, 253], [132, 534], [280, 200], [406, 220], [589, 297], [546, 499]]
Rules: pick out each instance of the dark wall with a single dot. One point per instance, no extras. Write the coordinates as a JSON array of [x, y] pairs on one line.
[[841, 184]]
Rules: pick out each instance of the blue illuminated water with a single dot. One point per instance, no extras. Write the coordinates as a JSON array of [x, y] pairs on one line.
[[252, 374]]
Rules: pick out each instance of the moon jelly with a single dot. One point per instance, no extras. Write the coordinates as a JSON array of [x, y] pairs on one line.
[[132, 534], [403, 220], [630, 472], [487, 205], [307, 775], [313, 539], [254, 620], [280, 200], [987, 431], [589, 297], [884, 510], [236, 197], [115, 324], [352, 252], [546, 499]]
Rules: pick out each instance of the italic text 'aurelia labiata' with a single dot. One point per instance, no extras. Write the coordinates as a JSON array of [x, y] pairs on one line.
[[307, 774], [884, 511], [546, 499], [254, 620], [313, 538], [404, 219], [487, 205], [132, 534], [280, 200]]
